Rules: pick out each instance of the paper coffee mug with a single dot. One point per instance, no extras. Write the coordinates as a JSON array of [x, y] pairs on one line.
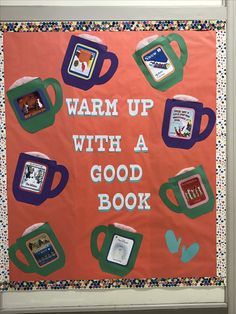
[[41, 249], [119, 249], [181, 126], [34, 176], [31, 103], [192, 191], [159, 62], [84, 60]]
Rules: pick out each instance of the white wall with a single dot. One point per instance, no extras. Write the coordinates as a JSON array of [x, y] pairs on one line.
[[112, 2]]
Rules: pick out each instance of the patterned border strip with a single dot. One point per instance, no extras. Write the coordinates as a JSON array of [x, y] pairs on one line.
[[71, 26], [4, 259], [109, 283], [221, 153], [220, 280]]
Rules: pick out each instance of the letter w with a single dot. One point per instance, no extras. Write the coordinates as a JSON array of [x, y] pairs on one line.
[[72, 105], [78, 144]]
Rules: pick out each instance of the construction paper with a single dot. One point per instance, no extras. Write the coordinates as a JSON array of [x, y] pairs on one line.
[[109, 138]]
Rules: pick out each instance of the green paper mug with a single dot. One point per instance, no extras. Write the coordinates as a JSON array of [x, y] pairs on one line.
[[119, 249], [41, 249], [31, 102], [192, 191], [159, 62]]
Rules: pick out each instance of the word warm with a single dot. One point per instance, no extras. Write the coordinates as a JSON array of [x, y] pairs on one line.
[[93, 107]]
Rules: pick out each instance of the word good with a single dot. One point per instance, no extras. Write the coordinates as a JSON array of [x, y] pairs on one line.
[[109, 173]]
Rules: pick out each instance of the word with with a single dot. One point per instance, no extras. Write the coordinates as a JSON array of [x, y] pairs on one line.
[[88, 142]]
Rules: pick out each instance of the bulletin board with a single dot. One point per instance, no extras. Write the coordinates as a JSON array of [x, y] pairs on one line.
[[113, 154]]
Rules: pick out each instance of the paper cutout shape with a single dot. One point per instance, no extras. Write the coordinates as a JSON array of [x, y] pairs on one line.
[[33, 178], [41, 249], [31, 102], [189, 253], [173, 246], [83, 63], [119, 249], [159, 62], [182, 123], [192, 191], [171, 241]]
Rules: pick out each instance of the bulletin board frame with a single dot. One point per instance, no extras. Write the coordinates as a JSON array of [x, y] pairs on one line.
[[222, 303]]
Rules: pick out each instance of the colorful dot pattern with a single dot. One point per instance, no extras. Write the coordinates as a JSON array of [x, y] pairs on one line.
[[71, 26], [4, 259], [221, 153], [111, 284]]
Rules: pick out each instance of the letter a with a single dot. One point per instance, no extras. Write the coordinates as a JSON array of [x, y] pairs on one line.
[[141, 146]]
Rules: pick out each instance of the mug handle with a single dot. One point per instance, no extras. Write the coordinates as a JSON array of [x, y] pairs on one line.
[[58, 92], [114, 64], [64, 179], [93, 240], [211, 122], [22, 266], [165, 199], [182, 46]]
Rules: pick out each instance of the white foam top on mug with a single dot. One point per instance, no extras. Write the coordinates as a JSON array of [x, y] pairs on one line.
[[185, 98], [91, 38], [144, 42], [22, 81], [185, 170], [37, 154], [32, 228], [124, 227]]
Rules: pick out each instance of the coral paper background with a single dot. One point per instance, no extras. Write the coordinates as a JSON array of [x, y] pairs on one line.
[[74, 213]]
